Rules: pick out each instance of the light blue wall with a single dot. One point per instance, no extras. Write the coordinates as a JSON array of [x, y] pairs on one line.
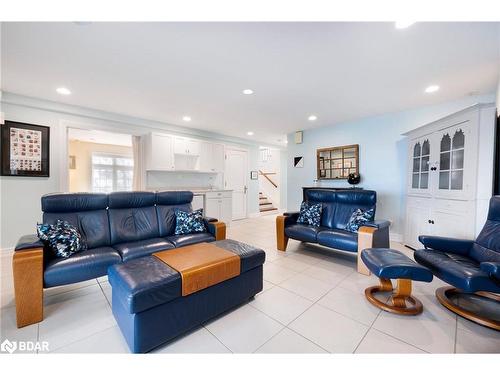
[[382, 154]]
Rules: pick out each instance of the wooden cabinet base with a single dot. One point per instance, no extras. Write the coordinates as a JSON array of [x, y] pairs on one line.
[[27, 268], [281, 238]]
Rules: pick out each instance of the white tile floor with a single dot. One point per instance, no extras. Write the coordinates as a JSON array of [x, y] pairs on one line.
[[312, 302]]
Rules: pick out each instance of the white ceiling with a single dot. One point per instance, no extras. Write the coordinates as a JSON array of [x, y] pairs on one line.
[[163, 71]]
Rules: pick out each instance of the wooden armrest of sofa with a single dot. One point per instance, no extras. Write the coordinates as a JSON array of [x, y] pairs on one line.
[[27, 266], [218, 229]]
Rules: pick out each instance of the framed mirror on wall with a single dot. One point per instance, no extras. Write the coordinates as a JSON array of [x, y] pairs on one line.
[[335, 163]]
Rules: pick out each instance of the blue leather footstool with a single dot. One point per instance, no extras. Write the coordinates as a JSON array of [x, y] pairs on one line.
[[148, 304], [390, 264]]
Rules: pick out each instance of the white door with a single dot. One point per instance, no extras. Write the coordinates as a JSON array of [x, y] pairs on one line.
[[236, 180]]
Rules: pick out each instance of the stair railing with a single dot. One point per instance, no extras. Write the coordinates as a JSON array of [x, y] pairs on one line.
[[266, 175]]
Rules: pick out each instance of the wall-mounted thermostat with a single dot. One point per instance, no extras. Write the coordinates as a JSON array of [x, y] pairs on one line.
[[298, 137]]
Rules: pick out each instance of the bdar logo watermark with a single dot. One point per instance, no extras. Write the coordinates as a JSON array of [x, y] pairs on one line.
[[8, 346]]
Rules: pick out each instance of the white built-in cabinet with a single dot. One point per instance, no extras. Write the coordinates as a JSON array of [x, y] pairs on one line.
[[159, 153], [186, 146], [166, 152], [450, 174], [219, 205]]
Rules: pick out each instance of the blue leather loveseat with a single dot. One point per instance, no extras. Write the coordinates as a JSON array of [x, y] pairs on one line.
[[337, 208], [117, 227]]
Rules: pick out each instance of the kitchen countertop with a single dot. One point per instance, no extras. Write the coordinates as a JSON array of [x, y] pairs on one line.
[[195, 190]]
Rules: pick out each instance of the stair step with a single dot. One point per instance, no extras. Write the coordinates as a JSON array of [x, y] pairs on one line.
[[268, 209], [266, 204]]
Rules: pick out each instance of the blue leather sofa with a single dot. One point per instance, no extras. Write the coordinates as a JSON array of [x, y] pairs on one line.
[[337, 208], [117, 227], [472, 267]]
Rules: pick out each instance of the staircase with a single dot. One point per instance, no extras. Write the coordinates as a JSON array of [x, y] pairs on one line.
[[264, 204]]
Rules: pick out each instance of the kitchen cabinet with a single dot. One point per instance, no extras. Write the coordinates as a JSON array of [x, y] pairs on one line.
[[186, 146], [219, 205], [211, 157], [158, 152]]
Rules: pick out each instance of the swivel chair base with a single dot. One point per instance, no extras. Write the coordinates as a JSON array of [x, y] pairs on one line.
[[445, 296], [399, 299]]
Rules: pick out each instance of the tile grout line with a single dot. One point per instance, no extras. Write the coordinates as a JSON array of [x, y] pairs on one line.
[[224, 345]]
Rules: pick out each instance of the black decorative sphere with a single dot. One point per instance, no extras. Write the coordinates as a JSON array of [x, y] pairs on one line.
[[353, 178]]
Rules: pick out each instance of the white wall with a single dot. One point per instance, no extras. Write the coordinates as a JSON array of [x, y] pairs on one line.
[[20, 196], [382, 155]]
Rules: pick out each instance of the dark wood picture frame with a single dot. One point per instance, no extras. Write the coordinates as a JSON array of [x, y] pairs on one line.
[[334, 163], [6, 157]]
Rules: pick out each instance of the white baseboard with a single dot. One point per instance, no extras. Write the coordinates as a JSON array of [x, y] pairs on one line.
[[396, 237]]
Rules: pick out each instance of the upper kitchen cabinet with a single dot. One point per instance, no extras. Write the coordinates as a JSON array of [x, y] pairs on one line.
[[158, 152], [211, 157], [186, 146]]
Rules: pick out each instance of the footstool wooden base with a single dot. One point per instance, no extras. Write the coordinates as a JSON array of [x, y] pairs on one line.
[[390, 264], [401, 302]]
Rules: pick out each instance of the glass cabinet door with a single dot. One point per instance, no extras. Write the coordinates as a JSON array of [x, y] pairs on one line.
[[451, 160], [420, 164], [454, 170]]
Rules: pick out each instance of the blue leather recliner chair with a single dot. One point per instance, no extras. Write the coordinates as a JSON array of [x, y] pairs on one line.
[[472, 267], [337, 208]]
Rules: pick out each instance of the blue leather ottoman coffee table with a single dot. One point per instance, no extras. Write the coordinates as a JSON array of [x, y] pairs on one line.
[[152, 306], [390, 264]]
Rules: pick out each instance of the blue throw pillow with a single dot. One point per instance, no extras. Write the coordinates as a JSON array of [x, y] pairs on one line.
[[61, 238], [310, 214], [189, 222], [358, 218]]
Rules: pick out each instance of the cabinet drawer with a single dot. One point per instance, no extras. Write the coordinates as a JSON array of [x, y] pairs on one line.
[[418, 202], [218, 194], [448, 205]]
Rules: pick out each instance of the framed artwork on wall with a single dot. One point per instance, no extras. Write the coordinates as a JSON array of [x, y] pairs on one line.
[[25, 149], [298, 162], [254, 175], [336, 163]]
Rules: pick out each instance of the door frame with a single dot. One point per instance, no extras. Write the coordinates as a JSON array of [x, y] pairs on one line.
[[234, 148], [65, 126]]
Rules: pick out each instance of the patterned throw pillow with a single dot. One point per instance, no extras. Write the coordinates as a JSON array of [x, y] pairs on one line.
[[310, 214], [62, 238], [189, 222], [358, 218]]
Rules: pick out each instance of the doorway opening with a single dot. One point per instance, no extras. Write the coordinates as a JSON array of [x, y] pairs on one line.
[[269, 180], [100, 161]]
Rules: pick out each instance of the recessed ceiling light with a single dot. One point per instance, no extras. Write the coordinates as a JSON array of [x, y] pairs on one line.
[[186, 118], [248, 91], [249, 133], [63, 91], [431, 89], [403, 24], [312, 118]]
